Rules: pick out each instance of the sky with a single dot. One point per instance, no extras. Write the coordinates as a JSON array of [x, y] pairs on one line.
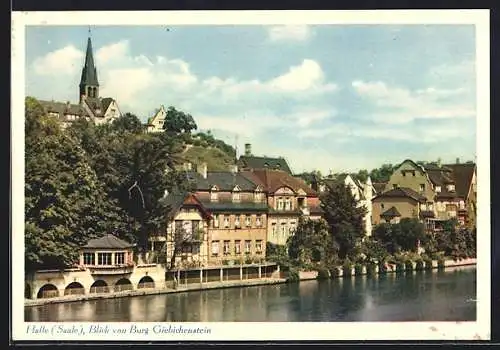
[[326, 97]]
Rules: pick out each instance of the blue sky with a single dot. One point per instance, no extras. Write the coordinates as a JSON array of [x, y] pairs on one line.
[[326, 97]]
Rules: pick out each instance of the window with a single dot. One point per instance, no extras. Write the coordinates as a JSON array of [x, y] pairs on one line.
[[237, 221], [237, 247], [104, 259], [119, 258], [248, 247], [216, 220], [226, 221], [258, 246], [195, 225], [274, 228], [422, 187], [213, 196], [462, 205], [236, 196], [280, 204], [187, 249], [451, 188], [215, 248], [258, 196], [430, 206], [283, 228], [88, 258], [394, 186], [382, 205], [403, 172], [258, 221], [178, 226], [438, 189], [412, 173], [423, 206], [248, 221], [226, 248], [301, 202], [288, 204]]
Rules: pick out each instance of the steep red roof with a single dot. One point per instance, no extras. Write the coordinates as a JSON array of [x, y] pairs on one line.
[[272, 180]]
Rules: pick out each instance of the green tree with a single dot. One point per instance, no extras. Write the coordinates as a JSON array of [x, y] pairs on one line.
[[128, 123], [64, 205], [178, 122], [344, 217], [382, 174], [312, 243]]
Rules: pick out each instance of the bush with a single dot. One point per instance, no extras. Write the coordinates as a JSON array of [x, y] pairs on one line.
[[428, 264], [400, 266], [420, 265], [323, 274], [370, 269], [334, 273], [382, 268], [346, 269], [358, 269], [293, 275], [409, 265], [441, 264]]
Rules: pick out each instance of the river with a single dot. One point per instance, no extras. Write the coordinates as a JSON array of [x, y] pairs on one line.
[[417, 296]]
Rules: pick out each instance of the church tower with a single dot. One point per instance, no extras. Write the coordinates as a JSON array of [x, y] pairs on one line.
[[89, 85]]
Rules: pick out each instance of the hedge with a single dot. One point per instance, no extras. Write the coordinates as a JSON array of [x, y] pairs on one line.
[[323, 274], [420, 265], [409, 265], [334, 273], [293, 275], [428, 264], [370, 269], [400, 267], [347, 270], [441, 264], [358, 269]]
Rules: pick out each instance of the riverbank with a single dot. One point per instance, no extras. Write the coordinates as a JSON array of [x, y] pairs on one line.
[[154, 291], [390, 268]]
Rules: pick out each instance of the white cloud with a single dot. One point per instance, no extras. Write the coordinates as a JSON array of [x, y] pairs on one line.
[[397, 105], [62, 61], [289, 33], [141, 83]]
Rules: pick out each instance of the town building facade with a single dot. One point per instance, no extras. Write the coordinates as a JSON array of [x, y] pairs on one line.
[[288, 199]]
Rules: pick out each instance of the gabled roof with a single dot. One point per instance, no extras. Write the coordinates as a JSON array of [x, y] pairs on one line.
[[392, 212], [462, 174], [224, 180], [63, 108], [440, 176], [272, 180], [105, 103], [402, 192], [108, 241], [255, 163], [178, 199]]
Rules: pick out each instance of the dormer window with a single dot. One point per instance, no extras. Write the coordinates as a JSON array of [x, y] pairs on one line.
[[438, 189], [280, 204], [422, 187], [214, 197], [450, 188], [288, 204], [236, 194]]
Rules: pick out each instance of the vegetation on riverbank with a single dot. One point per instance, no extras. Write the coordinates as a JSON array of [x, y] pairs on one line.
[[338, 241]]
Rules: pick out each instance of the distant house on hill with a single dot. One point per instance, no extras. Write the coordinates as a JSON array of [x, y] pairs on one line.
[[91, 106], [249, 162], [155, 123]]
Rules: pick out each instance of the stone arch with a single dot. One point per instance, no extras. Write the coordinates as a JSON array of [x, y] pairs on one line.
[[146, 282], [99, 286], [123, 284], [74, 288], [27, 291], [47, 291]]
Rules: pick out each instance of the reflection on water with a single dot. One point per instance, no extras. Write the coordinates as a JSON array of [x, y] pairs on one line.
[[416, 296]]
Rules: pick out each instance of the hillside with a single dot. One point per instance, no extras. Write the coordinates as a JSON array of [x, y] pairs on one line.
[[202, 147]]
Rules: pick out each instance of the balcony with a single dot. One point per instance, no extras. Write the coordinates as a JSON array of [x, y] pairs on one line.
[[110, 269]]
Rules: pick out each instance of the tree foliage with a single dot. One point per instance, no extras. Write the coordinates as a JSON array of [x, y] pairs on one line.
[[344, 217], [178, 122], [89, 180], [312, 243]]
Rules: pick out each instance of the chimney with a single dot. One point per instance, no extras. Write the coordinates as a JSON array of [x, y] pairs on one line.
[[233, 168], [248, 149], [458, 161], [202, 170]]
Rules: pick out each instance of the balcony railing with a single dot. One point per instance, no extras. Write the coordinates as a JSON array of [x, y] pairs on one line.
[[110, 269]]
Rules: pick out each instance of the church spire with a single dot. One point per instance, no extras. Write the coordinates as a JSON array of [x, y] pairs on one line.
[[89, 85]]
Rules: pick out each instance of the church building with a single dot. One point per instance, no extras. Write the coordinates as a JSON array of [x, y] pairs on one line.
[[91, 105]]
